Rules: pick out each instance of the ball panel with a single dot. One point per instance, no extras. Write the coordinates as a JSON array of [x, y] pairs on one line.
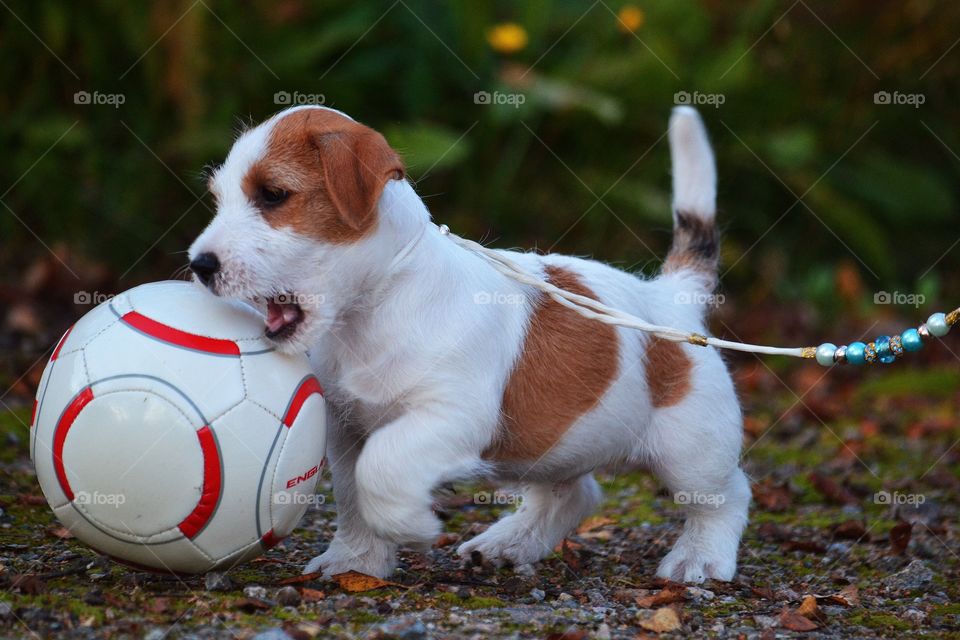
[[213, 383], [245, 435], [299, 463], [85, 329], [191, 308], [236, 558], [67, 376], [271, 378], [174, 555], [152, 476]]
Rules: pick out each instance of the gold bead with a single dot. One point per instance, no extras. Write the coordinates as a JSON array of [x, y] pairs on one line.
[[697, 339]]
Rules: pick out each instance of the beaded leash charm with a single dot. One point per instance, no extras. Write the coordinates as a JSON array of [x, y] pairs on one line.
[[886, 349]]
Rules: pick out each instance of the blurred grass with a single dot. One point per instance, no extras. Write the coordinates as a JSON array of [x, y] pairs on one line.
[[879, 182]]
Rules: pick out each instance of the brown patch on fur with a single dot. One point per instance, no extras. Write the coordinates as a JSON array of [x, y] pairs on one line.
[[696, 245], [668, 372], [567, 364], [334, 170]]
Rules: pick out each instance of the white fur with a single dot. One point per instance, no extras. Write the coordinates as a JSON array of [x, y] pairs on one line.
[[415, 370]]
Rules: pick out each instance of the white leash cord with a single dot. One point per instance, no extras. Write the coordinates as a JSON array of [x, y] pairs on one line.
[[590, 308]]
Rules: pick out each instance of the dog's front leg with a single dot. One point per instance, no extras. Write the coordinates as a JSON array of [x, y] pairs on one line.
[[355, 547], [403, 462]]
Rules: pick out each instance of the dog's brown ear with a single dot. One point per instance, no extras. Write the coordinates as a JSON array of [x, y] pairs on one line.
[[357, 163]]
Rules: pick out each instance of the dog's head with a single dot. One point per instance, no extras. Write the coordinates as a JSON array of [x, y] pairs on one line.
[[297, 202]]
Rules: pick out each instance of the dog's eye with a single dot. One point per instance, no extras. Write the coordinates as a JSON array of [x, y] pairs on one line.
[[271, 197]]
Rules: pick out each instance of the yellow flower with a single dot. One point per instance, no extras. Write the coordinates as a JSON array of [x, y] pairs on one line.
[[507, 37], [630, 18]]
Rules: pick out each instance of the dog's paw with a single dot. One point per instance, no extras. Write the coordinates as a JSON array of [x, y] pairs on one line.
[[339, 558], [694, 563], [506, 544], [413, 525]]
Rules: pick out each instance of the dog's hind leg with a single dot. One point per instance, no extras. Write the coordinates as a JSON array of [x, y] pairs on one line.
[[547, 513], [698, 460]]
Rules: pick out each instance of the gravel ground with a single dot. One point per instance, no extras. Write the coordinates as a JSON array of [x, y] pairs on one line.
[[825, 555]]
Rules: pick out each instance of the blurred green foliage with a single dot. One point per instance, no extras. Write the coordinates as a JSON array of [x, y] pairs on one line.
[[878, 183]]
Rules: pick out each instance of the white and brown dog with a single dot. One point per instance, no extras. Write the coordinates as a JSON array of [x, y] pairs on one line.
[[439, 368]]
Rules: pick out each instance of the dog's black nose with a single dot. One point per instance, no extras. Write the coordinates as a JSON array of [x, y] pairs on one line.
[[205, 266]]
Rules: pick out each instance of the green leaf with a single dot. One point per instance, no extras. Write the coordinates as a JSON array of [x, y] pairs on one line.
[[427, 147]]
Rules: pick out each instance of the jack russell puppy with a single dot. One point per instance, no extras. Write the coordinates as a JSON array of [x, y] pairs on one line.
[[440, 368]]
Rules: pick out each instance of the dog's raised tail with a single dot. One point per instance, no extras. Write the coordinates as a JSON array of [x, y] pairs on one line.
[[696, 243]]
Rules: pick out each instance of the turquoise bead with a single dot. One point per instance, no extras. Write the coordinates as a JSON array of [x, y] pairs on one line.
[[911, 340], [884, 352], [855, 353], [937, 325], [825, 354]]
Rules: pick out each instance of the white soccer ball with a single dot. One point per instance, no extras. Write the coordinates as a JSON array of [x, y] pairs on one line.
[[169, 434]]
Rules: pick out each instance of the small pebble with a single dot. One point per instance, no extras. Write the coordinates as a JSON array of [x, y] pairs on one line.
[[255, 591], [404, 629], [155, 634], [6, 610], [915, 575], [915, 616], [538, 594], [565, 597], [700, 594], [216, 581], [288, 596], [272, 634]]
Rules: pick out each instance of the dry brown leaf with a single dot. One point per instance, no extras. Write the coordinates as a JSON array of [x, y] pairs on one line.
[[306, 577], [570, 555], [765, 593], [900, 537], [312, 595], [61, 532], [850, 530], [593, 523], [795, 622], [670, 594], [662, 621], [831, 489], [251, 604], [772, 496], [159, 605], [808, 607], [355, 582], [28, 583], [572, 634], [445, 540], [849, 596]]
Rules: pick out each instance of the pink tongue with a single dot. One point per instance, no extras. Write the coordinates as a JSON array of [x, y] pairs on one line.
[[275, 316]]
